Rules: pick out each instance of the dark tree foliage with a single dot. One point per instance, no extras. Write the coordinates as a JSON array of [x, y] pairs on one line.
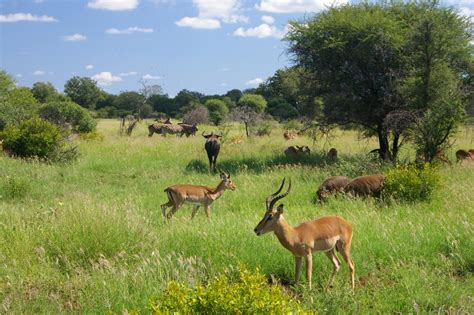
[[83, 91], [371, 60]]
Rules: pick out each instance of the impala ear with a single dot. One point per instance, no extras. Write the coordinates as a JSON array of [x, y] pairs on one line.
[[280, 209]]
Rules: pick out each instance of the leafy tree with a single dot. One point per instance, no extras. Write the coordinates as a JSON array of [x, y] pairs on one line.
[[255, 102], [278, 107], [365, 62], [217, 110], [199, 115], [17, 105], [105, 100], [83, 91], [186, 100], [68, 113], [46, 92], [129, 102], [164, 104], [7, 83], [234, 95]]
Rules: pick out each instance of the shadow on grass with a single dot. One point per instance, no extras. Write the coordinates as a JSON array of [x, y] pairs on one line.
[[350, 165]]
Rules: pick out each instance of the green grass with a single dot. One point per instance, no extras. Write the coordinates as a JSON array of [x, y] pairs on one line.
[[89, 236]]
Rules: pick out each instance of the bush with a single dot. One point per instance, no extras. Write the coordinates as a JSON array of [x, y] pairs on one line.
[[64, 113], [198, 115], [411, 182], [33, 137], [250, 294], [264, 128]]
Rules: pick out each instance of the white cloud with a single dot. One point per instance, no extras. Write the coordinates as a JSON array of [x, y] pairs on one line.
[[127, 74], [467, 12], [19, 75], [28, 17], [39, 72], [129, 30], [89, 67], [197, 22], [223, 84], [113, 5], [151, 77], [261, 31], [268, 19], [297, 6], [106, 78], [254, 82], [74, 38], [211, 12]]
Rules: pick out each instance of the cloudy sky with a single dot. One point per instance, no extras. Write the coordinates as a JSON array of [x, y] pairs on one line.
[[210, 46]]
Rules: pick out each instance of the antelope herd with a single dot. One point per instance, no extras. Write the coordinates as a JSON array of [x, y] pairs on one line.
[[328, 234]]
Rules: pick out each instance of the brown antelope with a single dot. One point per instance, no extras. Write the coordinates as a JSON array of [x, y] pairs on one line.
[[197, 195], [441, 156], [326, 234], [471, 151], [289, 135], [332, 185], [463, 155], [368, 185], [296, 151]]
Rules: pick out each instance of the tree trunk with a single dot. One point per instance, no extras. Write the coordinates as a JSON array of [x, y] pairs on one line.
[[384, 146]]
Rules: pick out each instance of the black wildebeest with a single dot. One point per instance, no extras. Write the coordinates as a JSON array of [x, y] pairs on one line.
[[212, 147]]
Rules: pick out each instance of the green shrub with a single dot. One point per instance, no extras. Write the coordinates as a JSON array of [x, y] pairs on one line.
[[411, 182], [14, 188], [63, 113], [264, 128], [90, 136], [32, 138], [249, 294]]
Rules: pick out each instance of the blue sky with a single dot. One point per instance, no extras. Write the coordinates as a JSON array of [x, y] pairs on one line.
[[210, 46]]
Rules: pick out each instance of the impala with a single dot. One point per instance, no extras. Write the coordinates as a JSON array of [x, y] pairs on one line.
[[197, 195], [326, 234]]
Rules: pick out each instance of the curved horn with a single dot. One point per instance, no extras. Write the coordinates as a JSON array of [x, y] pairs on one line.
[[270, 197], [275, 199], [203, 132]]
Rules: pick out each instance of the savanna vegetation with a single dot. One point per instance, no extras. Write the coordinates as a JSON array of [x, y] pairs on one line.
[[81, 229]]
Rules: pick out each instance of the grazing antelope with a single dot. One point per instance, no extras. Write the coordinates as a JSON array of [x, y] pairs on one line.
[[463, 155], [332, 185], [212, 146], [289, 135], [368, 185], [197, 195], [171, 129], [471, 151], [295, 151], [326, 234], [154, 128], [332, 154], [188, 130]]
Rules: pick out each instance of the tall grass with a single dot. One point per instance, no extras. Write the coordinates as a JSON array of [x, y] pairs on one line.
[[89, 236]]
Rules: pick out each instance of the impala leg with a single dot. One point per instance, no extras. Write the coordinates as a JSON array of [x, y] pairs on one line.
[[345, 252], [195, 209], [298, 264], [309, 268], [164, 207], [207, 209], [173, 211], [336, 263]]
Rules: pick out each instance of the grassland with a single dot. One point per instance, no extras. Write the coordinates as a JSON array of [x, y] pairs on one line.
[[89, 236]]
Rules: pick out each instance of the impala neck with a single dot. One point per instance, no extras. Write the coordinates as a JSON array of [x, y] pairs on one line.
[[285, 233], [219, 190]]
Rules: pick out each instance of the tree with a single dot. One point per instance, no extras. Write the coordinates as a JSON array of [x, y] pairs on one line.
[[255, 102], [278, 107], [46, 92], [199, 115], [7, 83], [217, 110], [186, 100], [234, 95], [83, 91], [129, 102], [363, 62], [164, 104], [17, 105]]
